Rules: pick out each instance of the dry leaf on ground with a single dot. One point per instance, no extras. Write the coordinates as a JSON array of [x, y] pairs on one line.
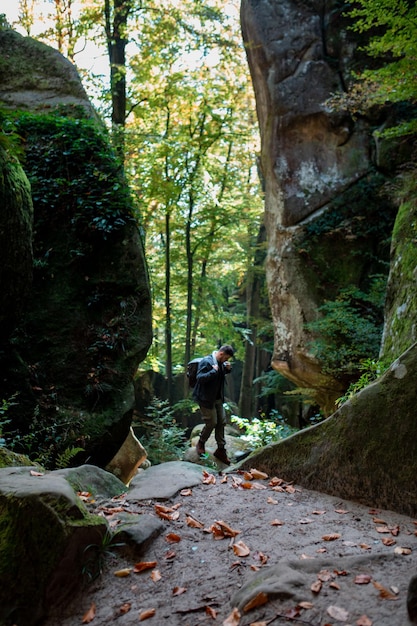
[[147, 614], [241, 549], [143, 565], [260, 599], [122, 573], [338, 613], [233, 619], [90, 614]]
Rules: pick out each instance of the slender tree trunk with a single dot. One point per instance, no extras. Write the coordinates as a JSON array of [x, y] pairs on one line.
[[116, 16], [246, 399], [168, 313]]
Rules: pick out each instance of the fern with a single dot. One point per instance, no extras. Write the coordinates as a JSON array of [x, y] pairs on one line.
[[64, 459]]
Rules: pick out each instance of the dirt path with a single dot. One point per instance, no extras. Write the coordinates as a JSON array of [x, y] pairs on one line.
[[306, 546]]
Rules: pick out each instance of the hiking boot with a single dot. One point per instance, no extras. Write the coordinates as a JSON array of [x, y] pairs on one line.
[[222, 456], [200, 448]]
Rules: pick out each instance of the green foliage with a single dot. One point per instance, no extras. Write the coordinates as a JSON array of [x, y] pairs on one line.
[[64, 459], [371, 370], [72, 172], [5, 405], [392, 25], [349, 329], [96, 555], [260, 432], [160, 434]]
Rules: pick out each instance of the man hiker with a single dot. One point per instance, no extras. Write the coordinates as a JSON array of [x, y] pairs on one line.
[[209, 393]]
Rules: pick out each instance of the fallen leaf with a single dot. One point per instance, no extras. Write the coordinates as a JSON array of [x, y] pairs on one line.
[[364, 621], [382, 529], [156, 575], [258, 486], [247, 476], [262, 557], [258, 474], [394, 530], [338, 613], [340, 572], [388, 541], [316, 586], [325, 575], [400, 550], [376, 520], [305, 520], [90, 614], [362, 579], [364, 546], [260, 599], [226, 529], [233, 619], [278, 481], [224, 479], [246, 485], [259, 624], [146, 614], [171, 554], [271, 500], [334, 585], [306, 605], [125, 608], [318, 512], [383, 592], [321, 550], [186, 492], [306, 556], [254, 568], [35, 473], [193, 523], [122, 573], [211, 612], [341, 511], [278, 488], [290, 489], [177, 591], [331, 537], [172, 538], [208, 479], [278, 522], [143, 565], [241, 549]]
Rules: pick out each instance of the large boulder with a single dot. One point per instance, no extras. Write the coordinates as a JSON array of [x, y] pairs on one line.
[[328, 227], [73, 352], [365, 452], [49, 541]]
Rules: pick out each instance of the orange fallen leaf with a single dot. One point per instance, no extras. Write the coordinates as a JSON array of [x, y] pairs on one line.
[[383, 592], [376, 520], [258, 474], [247, 476], [233, 619], [290, 489], [211, 612], [186, 492], [226, 529], [254, 568], [400, 550], [394, 530], [334, 585], [122, 573], [172, 538], [341, 511], [156, 575], [363, 620], [364, 546], [278, 522], [331, 537], [259, 623], [258, 486], [388, 541], [318, 512], [382, 529], [260, 599], [241, 549], [208, 479], [146, 614], [177, 591], [90, 614], [325, 575], [246, 485], [193, 523], [223, 479], [316, 586], [125, 608], [362, 579], [306, 605], [278, 481], [35, 473], [143, 565]]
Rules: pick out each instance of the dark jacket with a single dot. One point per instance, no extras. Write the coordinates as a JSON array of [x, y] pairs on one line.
[[210, 383]]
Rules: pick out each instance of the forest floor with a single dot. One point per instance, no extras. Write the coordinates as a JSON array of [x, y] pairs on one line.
[[297, 556]]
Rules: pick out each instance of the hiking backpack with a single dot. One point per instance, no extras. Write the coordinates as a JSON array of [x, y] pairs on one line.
[[192, 367]]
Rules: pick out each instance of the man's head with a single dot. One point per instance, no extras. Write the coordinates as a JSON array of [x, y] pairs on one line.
[[224, 353]]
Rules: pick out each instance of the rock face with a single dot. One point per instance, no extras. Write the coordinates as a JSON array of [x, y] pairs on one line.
[[364, 452], [72, 354], [322, 176]]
